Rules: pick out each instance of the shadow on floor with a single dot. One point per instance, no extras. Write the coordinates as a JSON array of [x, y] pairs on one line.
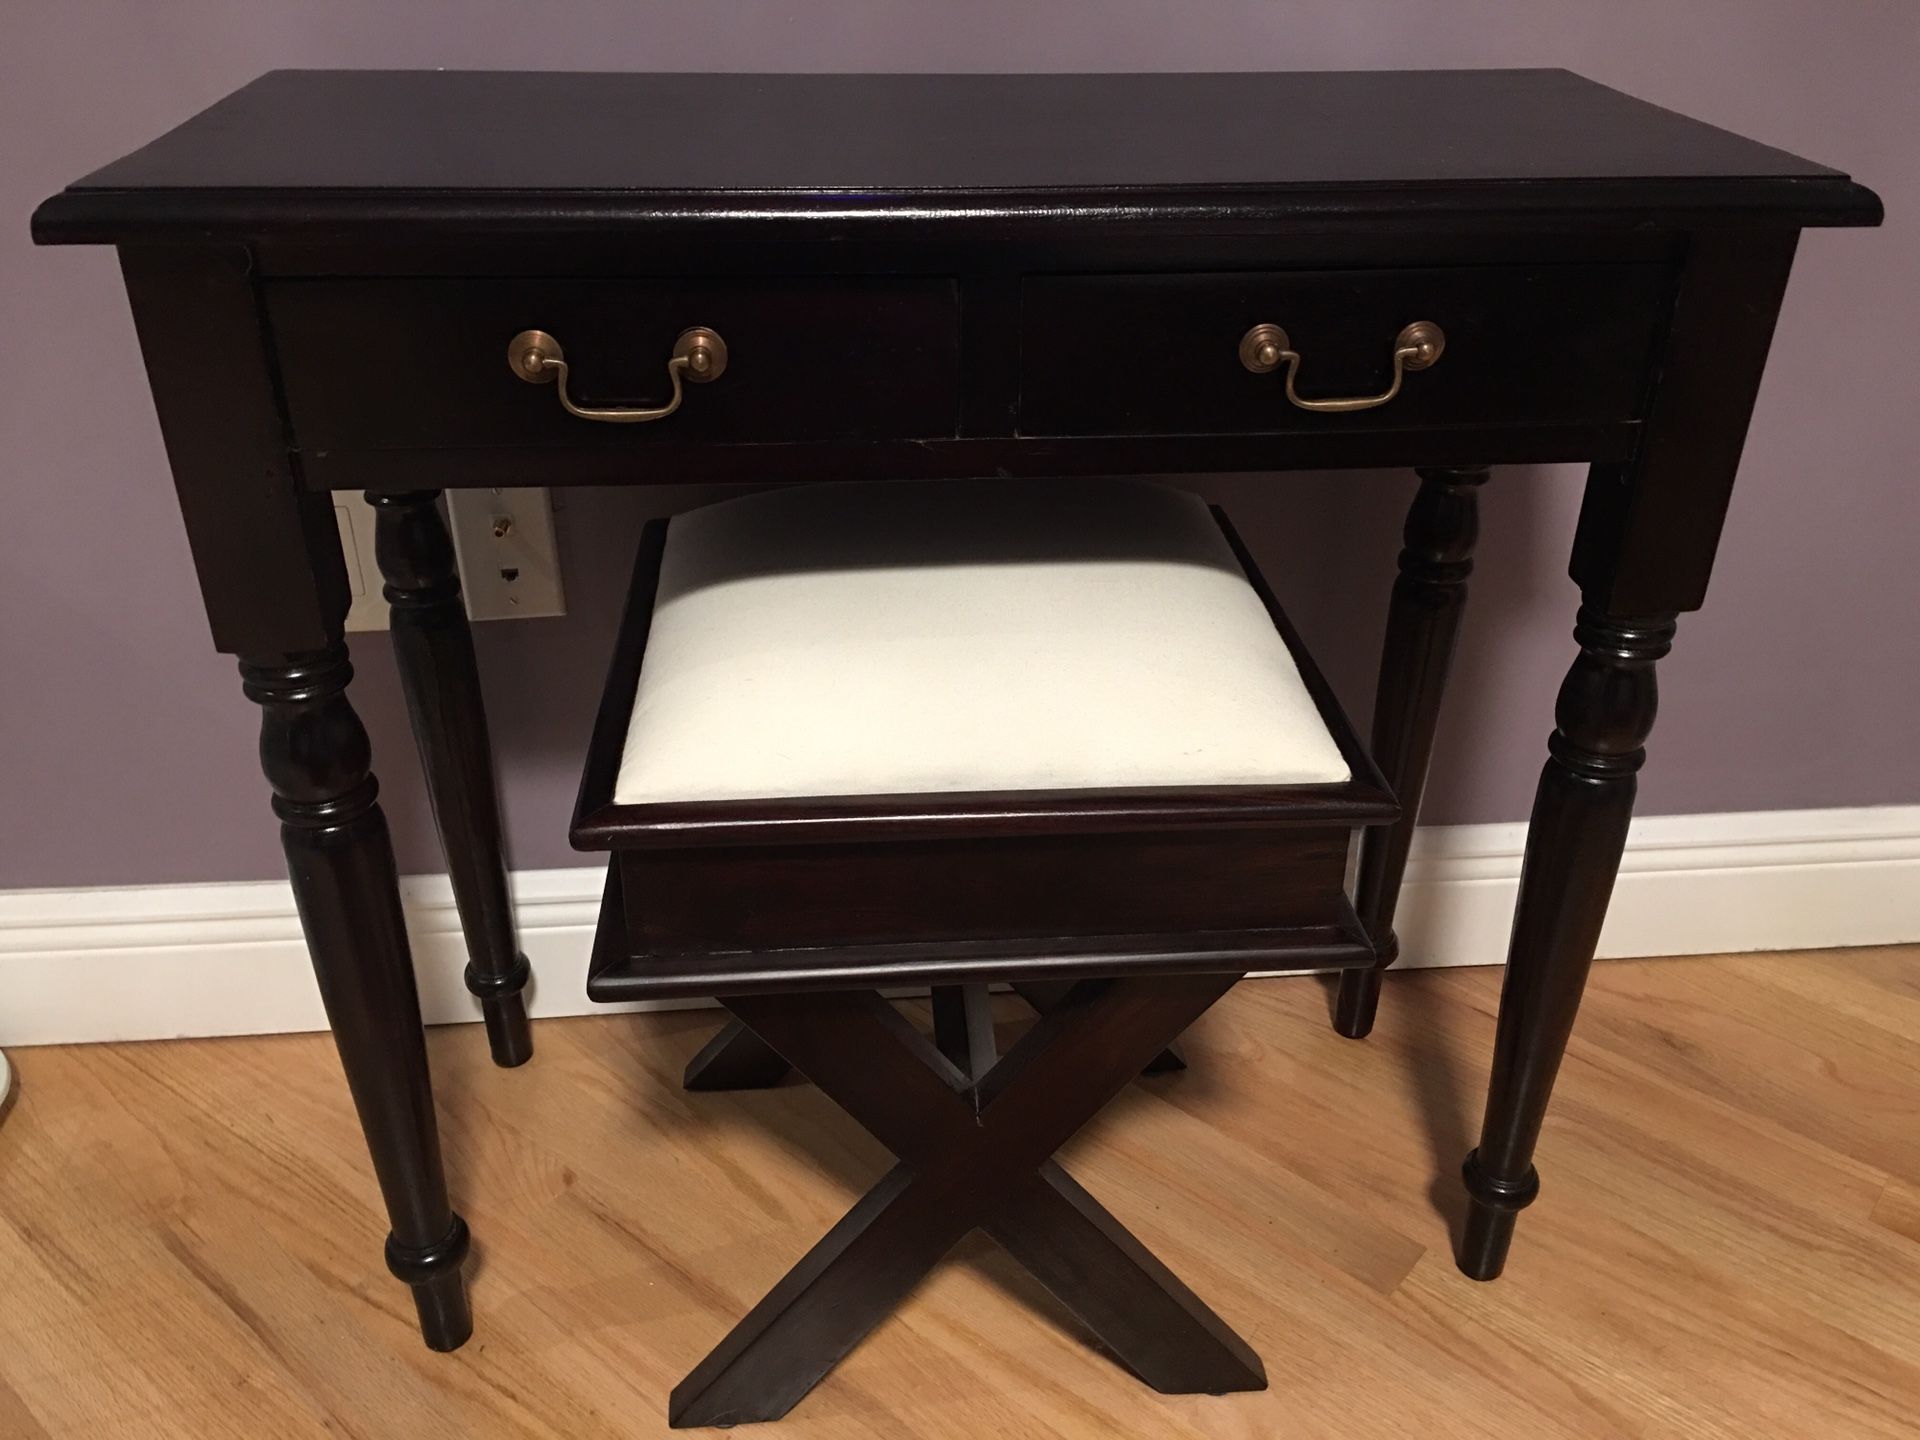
[[1437, 1080]]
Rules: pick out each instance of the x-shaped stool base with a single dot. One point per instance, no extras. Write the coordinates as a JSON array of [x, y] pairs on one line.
[[973, 1152]]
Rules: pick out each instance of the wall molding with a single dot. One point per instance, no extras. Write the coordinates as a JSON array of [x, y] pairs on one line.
[[149, 962]]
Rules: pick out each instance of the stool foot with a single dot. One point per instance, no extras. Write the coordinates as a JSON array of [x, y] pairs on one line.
[[1358, 1003], [1132, 1303]]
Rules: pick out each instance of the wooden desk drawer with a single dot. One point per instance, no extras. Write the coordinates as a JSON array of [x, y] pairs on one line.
[[412, 363], [1159, 354]]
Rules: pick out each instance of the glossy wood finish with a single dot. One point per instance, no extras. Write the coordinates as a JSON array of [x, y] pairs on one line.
[[665, 460], [972, 1152], [275, 588], [1159, 354], [682, 903], [1423, 620], [1649, 527], [1643, 552], [267, 553], [452, 153], [434, 648], [617, 972], [808, 358], [315, 755], [1574, 842]]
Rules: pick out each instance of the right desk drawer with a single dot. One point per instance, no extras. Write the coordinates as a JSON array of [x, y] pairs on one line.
[[1240, 353]]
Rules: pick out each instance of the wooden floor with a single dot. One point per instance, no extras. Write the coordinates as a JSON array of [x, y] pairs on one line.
[[1728, 1241]]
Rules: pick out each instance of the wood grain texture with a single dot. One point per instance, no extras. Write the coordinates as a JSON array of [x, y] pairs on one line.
[[1730, 1248]]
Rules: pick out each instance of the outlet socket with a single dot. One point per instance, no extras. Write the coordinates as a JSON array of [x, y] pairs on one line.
[[509, 561]]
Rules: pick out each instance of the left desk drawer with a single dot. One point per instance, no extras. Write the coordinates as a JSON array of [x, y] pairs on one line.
[[411, 364]]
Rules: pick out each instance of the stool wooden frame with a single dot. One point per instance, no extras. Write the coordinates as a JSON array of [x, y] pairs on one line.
[[854, 893]]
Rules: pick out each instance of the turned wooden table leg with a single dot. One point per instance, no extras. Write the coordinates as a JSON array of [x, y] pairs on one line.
[[315, 755], [1578, 830], [1423, 619], [434, 648]]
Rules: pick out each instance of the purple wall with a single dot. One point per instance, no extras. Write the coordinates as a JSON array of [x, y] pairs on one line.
[[130, 750]]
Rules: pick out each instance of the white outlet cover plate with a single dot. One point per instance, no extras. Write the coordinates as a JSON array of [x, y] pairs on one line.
[[509, 558]]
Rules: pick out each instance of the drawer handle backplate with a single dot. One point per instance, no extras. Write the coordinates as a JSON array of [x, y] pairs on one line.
[[1266, 347], [698, 355]]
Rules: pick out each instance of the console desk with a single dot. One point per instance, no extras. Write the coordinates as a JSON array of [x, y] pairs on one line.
[[345, 281]]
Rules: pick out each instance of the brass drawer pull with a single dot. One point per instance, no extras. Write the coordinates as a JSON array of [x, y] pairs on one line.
[[1266, 347], [698, 355]]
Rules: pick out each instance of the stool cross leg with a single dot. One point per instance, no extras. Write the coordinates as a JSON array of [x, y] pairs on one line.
[[973, 1153]]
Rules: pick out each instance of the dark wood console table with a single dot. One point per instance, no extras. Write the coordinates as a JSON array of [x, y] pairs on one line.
[[923, 276]]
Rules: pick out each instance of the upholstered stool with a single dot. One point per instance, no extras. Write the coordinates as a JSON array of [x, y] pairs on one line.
[[1054, 734]]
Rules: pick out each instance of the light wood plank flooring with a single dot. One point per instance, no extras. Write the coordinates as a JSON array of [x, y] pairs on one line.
[[1728, 1242]]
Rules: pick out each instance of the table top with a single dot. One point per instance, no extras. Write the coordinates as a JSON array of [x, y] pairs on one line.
[[317, 148]]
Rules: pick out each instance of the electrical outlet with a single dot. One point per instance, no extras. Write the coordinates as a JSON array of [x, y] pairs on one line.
[[509, 563], [505, 576]]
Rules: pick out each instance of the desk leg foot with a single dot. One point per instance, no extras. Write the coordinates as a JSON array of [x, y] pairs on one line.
[[434, 648], [316, 757], [1358, 1000], [434, 1273], [1492, 1207], [1423, 620], [1574, 841]]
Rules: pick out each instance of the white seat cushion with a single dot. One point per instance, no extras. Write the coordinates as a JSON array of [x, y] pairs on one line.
[[904, 637]]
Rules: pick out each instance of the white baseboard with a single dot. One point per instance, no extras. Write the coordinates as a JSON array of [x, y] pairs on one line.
[[161, 961]]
